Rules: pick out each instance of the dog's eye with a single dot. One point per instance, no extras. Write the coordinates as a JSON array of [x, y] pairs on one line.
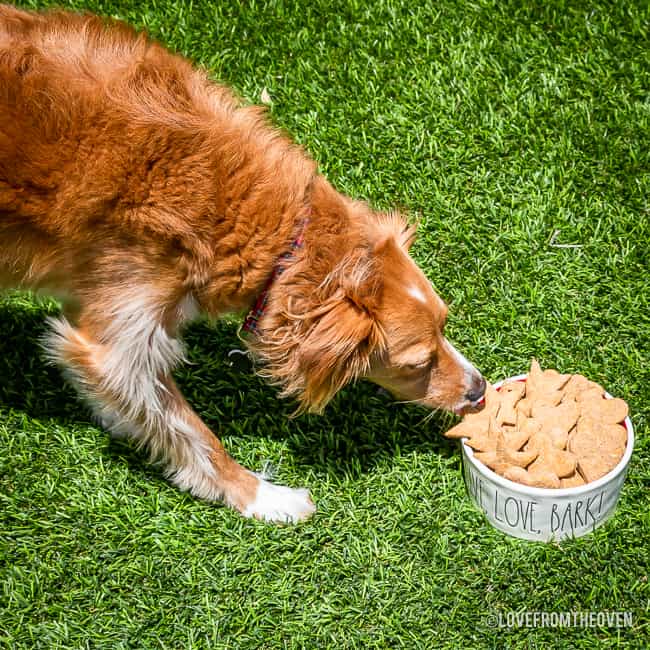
[[421, 365]]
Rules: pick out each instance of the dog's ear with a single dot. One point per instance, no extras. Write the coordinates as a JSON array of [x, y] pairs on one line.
[[408, 236], [337, 347], [323, 337], [396, 227]]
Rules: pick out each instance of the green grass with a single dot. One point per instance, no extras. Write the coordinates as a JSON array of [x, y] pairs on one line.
[[498, 123]]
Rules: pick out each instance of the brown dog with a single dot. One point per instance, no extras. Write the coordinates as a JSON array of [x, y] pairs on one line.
[[147, 194]]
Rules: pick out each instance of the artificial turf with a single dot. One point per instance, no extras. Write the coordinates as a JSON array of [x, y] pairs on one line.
[[519, 134]]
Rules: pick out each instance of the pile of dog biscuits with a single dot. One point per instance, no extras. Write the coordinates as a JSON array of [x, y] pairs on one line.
[[552, 430]]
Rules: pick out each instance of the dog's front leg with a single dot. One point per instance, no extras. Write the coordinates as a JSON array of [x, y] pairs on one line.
[[124, 371]]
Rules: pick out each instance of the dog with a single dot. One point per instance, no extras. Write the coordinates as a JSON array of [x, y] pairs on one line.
[[148, 195]]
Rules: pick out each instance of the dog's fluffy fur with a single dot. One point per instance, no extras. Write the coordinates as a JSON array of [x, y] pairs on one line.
[[147, 194]]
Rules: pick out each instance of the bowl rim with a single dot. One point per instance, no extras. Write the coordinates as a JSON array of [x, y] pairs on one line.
[[552, 492]]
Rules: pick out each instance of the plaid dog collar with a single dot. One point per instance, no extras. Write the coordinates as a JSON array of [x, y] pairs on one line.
[[250, 325]]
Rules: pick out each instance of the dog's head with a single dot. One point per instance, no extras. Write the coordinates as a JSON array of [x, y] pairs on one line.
[[371, 314], [415, 361]]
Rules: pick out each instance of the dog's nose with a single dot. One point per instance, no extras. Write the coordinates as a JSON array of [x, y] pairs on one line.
[[477, 390]]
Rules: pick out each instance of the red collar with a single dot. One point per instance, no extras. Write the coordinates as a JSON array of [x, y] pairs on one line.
[[255, 314]]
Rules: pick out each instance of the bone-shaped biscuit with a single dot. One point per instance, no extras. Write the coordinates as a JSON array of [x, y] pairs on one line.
[[511, 392]]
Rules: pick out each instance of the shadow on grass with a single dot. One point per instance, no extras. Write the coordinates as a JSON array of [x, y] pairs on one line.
[[360, 428]]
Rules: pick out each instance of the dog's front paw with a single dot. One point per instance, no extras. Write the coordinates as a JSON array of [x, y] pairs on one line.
[[280, 503]]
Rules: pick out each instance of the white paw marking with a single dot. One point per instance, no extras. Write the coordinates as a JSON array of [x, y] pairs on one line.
[[280, 503]]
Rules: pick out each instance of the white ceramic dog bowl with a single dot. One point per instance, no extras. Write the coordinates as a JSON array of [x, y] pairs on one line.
[[544, 514]]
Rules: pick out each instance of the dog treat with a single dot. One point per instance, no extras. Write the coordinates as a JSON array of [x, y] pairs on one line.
[[482, 441], [609, 411], [524, 407], [578, 385], [476, 425], [540, 477], [575, 480], [550, 459], [598, 446], [511, 392], [548, 467], [517, 438], [504, 457], [561, 417], [558, 436], [544, 388], [551, 431]]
